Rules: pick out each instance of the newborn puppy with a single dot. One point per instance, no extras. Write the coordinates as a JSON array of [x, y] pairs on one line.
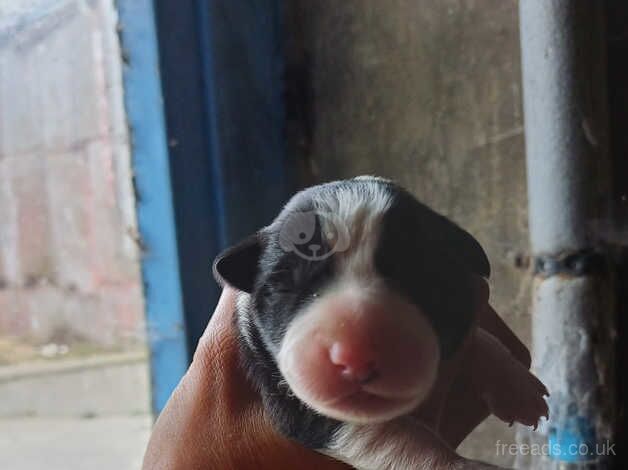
[[350, 299]]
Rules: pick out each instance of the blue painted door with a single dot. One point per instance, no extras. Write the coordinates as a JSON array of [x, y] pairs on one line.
[[204, 100]]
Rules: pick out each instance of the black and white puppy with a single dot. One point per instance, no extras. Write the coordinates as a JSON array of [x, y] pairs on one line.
[[350, 300]]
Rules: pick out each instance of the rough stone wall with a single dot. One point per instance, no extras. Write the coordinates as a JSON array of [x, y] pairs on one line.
[[429, 94], [68, 257]]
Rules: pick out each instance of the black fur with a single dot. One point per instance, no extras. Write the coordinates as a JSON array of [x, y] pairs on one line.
[[420, 254], [289, 415], [428, 259]]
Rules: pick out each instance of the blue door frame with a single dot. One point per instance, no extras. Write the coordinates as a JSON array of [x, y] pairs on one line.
[[203, 93]]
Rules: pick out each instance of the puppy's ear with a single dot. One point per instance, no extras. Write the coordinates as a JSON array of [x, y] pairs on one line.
[[238, 265], [452, 243], [460, 247]]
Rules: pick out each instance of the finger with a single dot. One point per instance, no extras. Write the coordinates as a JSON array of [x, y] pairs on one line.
[[460, 409], [215, 418], [216, 363], [220, 336], [491, 322], [223, 314], [463, 411]]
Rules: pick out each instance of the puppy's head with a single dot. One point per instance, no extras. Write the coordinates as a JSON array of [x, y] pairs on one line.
[[358, 291]]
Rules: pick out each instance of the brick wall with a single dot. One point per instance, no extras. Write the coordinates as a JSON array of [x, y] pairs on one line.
[[68, 256]]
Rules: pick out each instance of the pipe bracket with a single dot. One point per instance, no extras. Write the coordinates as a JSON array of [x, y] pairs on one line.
[[578, 263]]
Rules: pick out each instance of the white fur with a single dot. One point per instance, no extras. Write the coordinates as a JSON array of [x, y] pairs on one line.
[[372, 178], [401, 444], [358, 209]]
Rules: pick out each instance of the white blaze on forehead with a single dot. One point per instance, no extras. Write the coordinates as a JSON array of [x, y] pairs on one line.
[[358, 208], [372, 178]]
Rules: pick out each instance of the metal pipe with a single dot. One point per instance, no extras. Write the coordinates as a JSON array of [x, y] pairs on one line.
[[563, 64]]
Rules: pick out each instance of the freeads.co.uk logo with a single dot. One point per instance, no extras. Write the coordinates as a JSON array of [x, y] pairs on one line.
[[313, 235]]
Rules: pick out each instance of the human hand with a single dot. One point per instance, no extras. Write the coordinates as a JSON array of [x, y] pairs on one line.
[[215, 419]]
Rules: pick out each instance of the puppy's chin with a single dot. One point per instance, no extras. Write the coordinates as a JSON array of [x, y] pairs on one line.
[[364, 403], [387, 364], [363, 407]]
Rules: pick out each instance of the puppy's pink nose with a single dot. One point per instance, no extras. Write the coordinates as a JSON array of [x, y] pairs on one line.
[[355, 363]]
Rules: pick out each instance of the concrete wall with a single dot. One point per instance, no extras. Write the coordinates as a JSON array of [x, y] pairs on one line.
[[429, 94], [68, 256]]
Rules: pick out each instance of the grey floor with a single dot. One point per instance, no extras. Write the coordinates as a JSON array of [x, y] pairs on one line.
[[111, 442], [76, 414]]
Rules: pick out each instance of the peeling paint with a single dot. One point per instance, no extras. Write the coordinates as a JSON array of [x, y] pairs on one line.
[[568, 176]]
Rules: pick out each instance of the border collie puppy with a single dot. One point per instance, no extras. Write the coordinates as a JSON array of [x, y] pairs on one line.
[[349, 302]]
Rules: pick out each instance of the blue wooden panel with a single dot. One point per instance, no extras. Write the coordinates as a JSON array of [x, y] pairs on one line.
[[160, 264], [244, 65], [196, 199], [221, 67], [204, 98]]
